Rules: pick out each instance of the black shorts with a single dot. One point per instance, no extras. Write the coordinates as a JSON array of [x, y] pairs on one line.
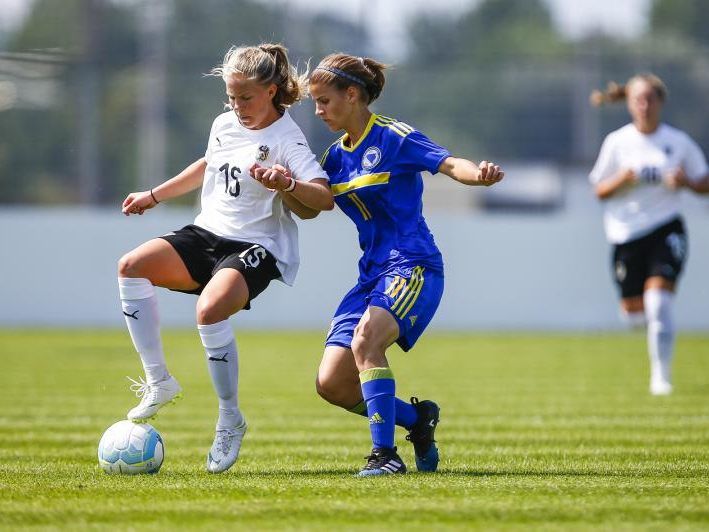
[[205, 253], [659, 254]]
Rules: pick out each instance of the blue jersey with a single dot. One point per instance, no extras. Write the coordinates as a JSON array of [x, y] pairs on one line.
[[377, 183]]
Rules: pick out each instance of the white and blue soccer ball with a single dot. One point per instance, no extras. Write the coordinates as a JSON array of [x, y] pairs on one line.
[[130, 448]]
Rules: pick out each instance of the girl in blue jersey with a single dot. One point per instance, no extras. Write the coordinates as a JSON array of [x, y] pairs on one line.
[[375, 175]]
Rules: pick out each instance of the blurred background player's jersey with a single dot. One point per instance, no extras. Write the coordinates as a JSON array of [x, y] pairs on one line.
[[636, 212]]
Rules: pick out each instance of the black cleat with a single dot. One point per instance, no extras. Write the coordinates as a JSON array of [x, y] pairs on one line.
[[421, 435], [383, 462]]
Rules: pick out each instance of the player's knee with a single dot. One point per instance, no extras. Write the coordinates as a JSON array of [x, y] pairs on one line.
[[365, 342], [129, 266], [327, 385], [332, 389], [360, 347], [361, 337], [208, 311], [324, 388]]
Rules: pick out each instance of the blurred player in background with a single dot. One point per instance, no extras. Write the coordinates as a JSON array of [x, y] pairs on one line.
[[375, 175], [256, 170], [639, 172]]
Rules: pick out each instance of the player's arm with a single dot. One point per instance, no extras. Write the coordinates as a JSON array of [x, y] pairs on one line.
[[678, 179], [700, 186], [186, 181], [301, 211], [468, 173], [313, 195], [620, 181]]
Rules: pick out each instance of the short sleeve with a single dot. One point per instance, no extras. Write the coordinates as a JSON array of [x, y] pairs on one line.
[[418, 152], [606, 164], [210, 142], [694, 163], [302, 163]]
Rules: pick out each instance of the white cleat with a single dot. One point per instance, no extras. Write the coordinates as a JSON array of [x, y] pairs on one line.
[[154, 397], [225, 449], [660, 387]]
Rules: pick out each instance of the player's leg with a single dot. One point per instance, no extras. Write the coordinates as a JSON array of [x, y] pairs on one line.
[[659, 303], [375, 332], [629, 267], [224, 295], [632, 312], [413, 304], [338, 383], [337, 380], [668, 252], [153, 263], [238, 279]]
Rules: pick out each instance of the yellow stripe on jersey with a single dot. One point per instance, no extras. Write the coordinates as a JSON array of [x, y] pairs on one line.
[[364, 134], [327, 151], [408, 297], [362, 181], [361, 206], [400, 128], [396, 129]]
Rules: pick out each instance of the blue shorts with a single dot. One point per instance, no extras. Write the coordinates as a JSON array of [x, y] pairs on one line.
[[411, 294]]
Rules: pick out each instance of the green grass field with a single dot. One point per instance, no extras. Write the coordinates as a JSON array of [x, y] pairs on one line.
[[553, 432]]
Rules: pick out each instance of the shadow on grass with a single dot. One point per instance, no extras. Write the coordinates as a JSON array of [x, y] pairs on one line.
[[449, 473]]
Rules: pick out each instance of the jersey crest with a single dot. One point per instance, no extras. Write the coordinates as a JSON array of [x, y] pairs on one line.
[[371, 157], [262, 153]]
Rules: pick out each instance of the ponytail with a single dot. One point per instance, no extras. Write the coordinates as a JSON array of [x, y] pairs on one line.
[[266, 63], [615, 92], [342, 71]]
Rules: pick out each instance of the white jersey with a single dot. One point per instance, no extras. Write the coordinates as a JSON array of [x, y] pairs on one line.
[[236, 206], [637, 211]]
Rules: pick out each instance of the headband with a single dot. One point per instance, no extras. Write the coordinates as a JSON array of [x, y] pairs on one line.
[[343, 74]]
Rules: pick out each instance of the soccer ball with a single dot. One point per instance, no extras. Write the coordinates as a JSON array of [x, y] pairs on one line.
[[130, 448]]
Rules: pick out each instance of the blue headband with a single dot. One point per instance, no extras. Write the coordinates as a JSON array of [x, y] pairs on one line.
[[343, 74]]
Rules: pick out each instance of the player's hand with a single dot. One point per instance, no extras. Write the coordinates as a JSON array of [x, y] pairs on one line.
[[676, 179], [138, 203], [489, 173], [628, 177], [275, 178]]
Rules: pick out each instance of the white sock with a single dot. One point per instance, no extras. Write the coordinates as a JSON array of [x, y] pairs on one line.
[[140, 308], [660, 332], [223, 361]]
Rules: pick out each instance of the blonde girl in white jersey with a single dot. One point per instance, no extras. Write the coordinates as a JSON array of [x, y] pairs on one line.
[[257, 169], [639, 172]]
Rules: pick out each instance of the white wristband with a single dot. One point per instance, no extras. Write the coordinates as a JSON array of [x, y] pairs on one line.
[[291, 187]]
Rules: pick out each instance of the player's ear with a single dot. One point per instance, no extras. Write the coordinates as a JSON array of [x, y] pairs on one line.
[[352, 94], [272, 90]]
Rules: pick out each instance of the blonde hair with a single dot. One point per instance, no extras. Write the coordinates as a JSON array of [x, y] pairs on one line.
[[343, 70], [615, 92], [266, 63]]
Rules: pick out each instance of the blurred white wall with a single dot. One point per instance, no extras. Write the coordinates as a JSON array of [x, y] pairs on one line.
[[503, 271]]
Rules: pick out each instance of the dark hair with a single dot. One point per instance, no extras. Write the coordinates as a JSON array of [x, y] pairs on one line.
[[342, 71], [615, 92], [266, 63]]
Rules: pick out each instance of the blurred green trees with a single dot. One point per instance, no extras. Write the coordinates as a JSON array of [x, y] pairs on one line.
[[498, 81], [501, 82]]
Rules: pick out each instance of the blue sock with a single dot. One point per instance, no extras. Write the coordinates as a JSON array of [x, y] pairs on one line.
[[378, 388], [406, 414]]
